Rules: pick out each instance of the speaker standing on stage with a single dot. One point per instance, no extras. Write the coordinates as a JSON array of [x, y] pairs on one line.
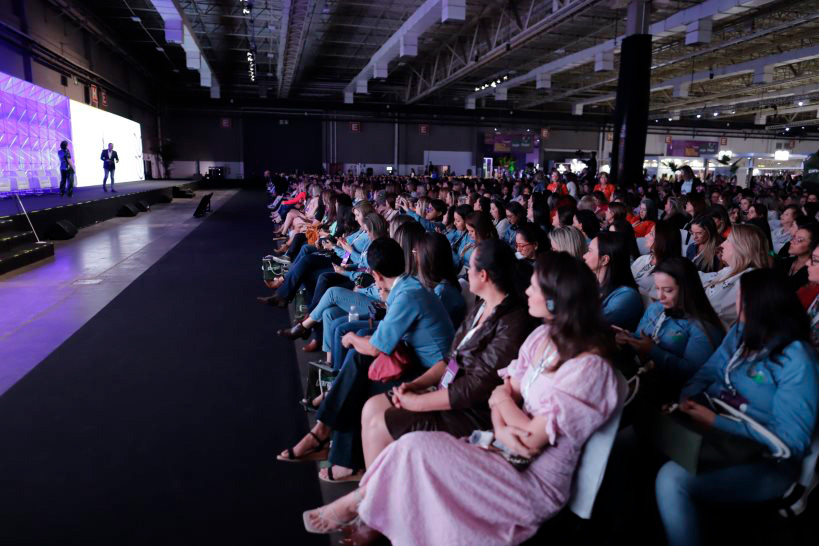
[[66, 169], [109, 159]]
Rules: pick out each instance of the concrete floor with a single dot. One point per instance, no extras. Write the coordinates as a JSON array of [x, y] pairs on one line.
[[43, 304]]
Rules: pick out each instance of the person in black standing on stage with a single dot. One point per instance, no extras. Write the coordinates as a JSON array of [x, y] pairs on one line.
[[66, 169], [109, 159]]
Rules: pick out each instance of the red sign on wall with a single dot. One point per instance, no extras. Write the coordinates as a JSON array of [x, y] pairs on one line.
[[355, 126], [723, 141], [95, 101], [668, 139], [104, 97], [423, 129], [544, 133], [225, 123]]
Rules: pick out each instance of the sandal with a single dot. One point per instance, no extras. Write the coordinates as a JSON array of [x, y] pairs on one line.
[[316, 453], [354, 477], [334, 525]]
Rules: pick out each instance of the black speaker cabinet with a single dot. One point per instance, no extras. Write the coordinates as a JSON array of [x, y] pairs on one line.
[[61, 231]]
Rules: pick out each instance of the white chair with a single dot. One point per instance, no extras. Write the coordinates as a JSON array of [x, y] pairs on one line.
[[642, 246], [595, 457], [796, 497]]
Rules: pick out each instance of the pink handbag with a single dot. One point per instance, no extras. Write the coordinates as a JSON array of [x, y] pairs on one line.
[[388, 367]]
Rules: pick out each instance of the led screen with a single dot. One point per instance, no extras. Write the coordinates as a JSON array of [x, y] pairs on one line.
[[33, 121], [92, 130]]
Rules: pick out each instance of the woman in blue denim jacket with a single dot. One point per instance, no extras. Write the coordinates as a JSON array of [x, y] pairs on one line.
[[679, 332], [608, 258], [767, 369]]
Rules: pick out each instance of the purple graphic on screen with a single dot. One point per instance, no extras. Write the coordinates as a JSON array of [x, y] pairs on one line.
[[33, 122]]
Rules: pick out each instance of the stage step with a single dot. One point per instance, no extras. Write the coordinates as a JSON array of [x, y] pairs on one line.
[[11, 239], [6, 225], [23, 255]]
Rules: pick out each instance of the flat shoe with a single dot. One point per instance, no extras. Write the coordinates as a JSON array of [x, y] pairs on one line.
[[311, 347], [295, 332]]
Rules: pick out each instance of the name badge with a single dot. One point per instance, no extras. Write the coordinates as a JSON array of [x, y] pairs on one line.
[[449, 374]]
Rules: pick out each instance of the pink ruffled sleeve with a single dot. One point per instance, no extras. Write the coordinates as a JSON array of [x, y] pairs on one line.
[[517, 368], [577, 399]]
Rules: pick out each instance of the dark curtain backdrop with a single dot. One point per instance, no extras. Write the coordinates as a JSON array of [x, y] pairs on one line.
[[270, 145]]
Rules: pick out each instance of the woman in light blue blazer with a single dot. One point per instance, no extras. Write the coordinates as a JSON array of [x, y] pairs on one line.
[[766, 370]]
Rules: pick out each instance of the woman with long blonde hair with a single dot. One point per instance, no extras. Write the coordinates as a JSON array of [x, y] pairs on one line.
[[745, 249]]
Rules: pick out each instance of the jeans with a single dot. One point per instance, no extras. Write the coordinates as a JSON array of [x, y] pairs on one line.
[[341, 409], [299, 241], [66, 179], [105, 178], [679, 492], [304, 271], [329, 280]]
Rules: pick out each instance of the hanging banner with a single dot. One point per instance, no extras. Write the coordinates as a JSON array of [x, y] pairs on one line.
[[691, 148]]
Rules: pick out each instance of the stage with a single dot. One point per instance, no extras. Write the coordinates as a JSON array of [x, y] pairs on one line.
[[9, 206], [88, 206]]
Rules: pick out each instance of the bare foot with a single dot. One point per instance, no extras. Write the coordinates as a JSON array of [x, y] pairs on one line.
[[332, 517], [316, 402]]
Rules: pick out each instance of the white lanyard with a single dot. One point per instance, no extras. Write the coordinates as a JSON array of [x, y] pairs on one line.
[[473, 328], [655, 335], [546, 359], [813, 311]]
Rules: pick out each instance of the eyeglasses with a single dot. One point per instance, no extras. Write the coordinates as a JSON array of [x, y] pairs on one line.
[[800, 240], [814, 259], [520, 246]]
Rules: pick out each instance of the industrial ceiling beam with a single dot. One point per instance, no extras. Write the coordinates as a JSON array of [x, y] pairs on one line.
[[680, 22], [404, 42], [178, 31]]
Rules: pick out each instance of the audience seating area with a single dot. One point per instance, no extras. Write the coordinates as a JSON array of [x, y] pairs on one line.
[[491, 360]]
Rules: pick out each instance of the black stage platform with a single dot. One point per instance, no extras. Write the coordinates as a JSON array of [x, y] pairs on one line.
[[18, 245], [9, 206]]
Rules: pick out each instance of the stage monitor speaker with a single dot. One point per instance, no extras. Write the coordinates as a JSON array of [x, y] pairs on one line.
[[61, 231], [143, 205], [164, 198], [204, 206], [128, 210], [181, 192]]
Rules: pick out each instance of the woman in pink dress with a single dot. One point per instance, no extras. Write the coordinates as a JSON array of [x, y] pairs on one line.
[[431, 488]]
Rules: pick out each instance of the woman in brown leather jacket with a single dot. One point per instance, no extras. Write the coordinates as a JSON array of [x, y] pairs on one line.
[[453, 396]]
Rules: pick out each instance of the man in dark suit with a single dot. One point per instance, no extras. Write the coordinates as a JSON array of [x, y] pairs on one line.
[[109, 159]]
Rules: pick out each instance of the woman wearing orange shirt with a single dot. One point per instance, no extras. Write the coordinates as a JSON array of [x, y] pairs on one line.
[[644, 223], [604, 186]]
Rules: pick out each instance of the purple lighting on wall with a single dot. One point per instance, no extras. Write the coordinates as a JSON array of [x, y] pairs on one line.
[[33, 122]]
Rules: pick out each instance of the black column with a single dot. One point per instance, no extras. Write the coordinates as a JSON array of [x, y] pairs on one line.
[[631, 112]]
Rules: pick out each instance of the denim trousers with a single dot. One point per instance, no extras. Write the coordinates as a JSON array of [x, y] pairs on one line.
[[299, 241], [66, 179], [334, 303], [304, 271], [329, 280], [679, 493]]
